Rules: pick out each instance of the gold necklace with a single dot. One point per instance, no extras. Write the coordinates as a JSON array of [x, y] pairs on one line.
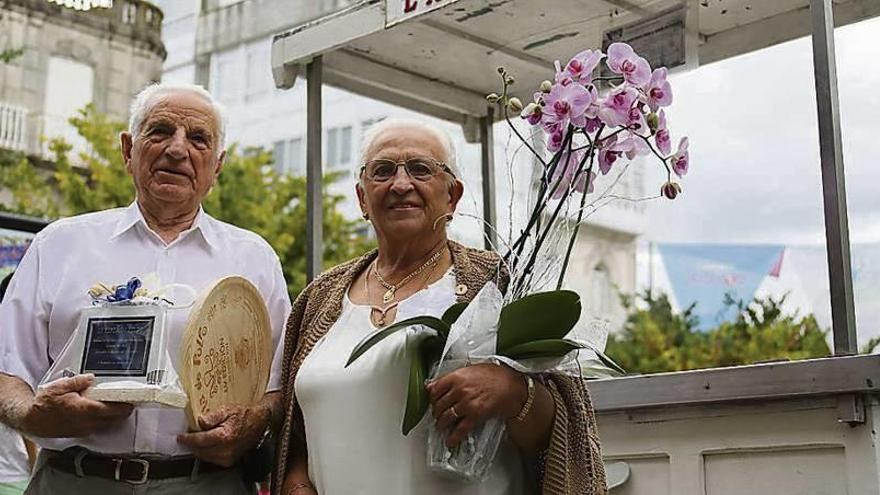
[[392, 288], [384, 310]]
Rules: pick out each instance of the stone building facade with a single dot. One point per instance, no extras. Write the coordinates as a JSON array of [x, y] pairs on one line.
[[69, 59]]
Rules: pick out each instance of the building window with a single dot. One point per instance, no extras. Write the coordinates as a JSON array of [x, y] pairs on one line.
[[258, 78], [69, 88], [129, 13], [339, 148], [288, 156], [601, 292]]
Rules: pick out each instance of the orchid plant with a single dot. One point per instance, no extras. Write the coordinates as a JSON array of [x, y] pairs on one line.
[[587, 131]]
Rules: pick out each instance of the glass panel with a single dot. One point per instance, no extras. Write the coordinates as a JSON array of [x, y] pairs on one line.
[[858, 77], [746, 232]]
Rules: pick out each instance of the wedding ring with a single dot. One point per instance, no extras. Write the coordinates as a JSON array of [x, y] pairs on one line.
[[454, 414]]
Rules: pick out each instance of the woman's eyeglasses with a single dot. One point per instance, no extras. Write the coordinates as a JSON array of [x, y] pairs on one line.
[[421, 169]]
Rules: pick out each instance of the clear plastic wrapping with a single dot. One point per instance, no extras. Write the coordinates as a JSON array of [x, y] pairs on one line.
[[123, 344]]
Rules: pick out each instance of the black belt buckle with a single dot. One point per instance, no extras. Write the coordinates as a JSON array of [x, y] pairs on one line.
[[145, 464]]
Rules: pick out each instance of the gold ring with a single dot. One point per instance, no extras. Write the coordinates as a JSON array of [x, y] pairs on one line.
[[454, 414]]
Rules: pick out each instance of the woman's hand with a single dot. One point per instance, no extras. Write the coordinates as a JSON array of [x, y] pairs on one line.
[[466, 397]]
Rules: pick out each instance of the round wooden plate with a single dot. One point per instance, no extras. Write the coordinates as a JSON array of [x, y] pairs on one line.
[[226, 349]]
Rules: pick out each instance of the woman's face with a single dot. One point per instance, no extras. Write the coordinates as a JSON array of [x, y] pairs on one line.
[[402, 206]]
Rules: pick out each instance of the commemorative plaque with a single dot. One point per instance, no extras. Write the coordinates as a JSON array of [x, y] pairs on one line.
[[226, 349], [123, 346]]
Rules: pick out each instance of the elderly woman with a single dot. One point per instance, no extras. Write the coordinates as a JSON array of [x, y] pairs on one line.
[[341, 430]]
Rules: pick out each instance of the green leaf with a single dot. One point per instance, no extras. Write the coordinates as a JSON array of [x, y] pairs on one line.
[[548, 348], [607, 361], [425, 349], [452, 313], [540, 316], [373, 339]]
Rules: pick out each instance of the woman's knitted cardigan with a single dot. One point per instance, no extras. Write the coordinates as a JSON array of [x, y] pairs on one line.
[[572, 465]]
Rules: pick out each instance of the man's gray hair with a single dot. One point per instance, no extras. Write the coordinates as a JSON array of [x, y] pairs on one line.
[[148, 97], [445, 139]]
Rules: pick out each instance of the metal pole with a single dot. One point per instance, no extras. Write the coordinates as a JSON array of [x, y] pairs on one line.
[[487, 155], [834, 191], [314, 177]]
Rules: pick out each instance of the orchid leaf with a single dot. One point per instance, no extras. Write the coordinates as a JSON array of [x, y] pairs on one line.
[[424, 350], [429, 321], [452, 313], [539, 316], [548, 348], [607, 361]]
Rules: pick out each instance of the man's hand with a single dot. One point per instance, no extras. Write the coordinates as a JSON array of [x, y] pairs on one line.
[[227, 434], [59, 410]]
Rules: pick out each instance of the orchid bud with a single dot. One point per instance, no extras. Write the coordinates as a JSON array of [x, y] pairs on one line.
[[500, 69], [670, 190], [492, 98], [653, 122], [514, 105], [546, 86], [531, 109]]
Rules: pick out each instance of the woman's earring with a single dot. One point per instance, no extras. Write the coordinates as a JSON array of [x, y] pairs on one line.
[[449, 218], [366, 216]]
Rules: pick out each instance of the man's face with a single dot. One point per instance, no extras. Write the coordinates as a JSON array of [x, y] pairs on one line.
[[174, 159]]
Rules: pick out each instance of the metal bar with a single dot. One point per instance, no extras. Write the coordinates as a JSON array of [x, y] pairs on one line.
[[843, 319], [314, 174], [21, 223], [808, 378], [487, 155]]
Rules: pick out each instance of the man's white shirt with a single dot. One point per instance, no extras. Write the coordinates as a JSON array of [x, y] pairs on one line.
[[50, 287]]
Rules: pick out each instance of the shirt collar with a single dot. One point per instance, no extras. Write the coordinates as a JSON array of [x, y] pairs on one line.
[[203, 223]]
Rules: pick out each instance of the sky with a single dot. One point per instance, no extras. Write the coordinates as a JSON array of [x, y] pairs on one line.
[[754, 174]]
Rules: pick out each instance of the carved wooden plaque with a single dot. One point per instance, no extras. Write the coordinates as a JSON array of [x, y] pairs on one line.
[[226, 348]]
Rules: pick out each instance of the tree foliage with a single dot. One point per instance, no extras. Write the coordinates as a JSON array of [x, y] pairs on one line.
[[249, 193], [656, 339]]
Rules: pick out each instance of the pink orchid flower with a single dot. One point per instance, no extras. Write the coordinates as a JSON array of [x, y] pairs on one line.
[[637, 121], [565, 173], [631, 145], [658, 91], [555, 139], [567, 103], [608, 154], [614, 109], [580, 67], [681, 158], [662, 138], [623, 60]]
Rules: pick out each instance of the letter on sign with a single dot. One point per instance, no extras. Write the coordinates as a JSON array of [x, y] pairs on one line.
[[401, 10]]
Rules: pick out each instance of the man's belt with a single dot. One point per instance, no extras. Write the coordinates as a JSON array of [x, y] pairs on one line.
[[134, 470]]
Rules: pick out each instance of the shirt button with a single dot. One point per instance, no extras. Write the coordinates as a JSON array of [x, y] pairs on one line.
[[461, 289]]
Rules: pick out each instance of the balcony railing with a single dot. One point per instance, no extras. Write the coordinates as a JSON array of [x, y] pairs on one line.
[[13, 126]]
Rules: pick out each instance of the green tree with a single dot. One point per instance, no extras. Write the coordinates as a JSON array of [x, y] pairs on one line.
[[656, 339], [10, 54], [249, 194]]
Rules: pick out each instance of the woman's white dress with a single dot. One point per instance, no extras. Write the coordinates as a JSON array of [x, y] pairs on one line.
[[353, 415]]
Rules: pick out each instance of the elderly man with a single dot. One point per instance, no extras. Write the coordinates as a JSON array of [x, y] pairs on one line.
[[174, 152]]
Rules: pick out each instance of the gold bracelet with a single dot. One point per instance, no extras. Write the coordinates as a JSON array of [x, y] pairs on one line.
[[300, 486], [528, 404]]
